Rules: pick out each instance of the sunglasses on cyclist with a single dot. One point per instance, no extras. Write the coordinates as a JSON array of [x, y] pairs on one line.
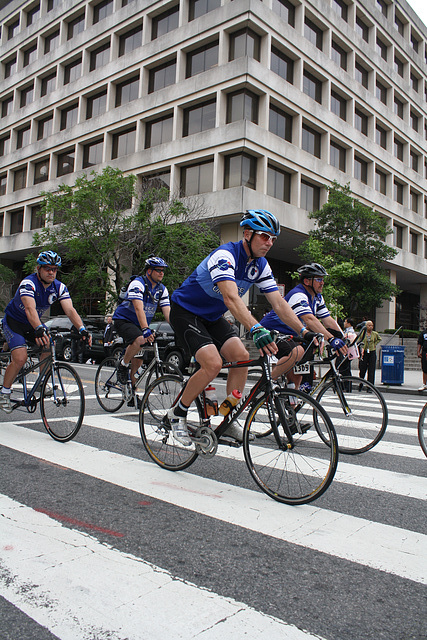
[[266, 236], [53, 269], [319, 279], [159, 269]]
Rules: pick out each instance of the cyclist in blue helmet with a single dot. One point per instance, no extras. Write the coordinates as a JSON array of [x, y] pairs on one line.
[[198, 306], [132, 317], [22, 317]]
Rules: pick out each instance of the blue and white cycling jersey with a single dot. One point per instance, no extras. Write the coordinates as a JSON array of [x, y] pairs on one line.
[[302, 304], [152, 297], [31, 287], [199, 293]]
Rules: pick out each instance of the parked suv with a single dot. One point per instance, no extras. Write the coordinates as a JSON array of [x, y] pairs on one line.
[[96, 328]]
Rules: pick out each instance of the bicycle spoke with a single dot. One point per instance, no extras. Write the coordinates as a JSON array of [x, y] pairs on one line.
[[422, 429], [62, 402], [108, 391]]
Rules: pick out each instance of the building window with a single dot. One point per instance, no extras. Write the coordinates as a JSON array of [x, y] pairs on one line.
[[33, 14], [382, 48], [240, 171], [6, 107], [3, 185], [414, 198], [361, 170], [399, 24], [338, 105], [130, 40], [361, 121], [242, 105], [23, 137], [20, 179], [12, 29], [69, 116], [4, 145], [27, 95], [340, 7], [310, 196], [44, 127], [381, 92], [282, 65], [414, 160], [338, 156], [159, 181], [76, 26], [414, 120], [92, 153], [398, 148], [96, 105], [165, 22], [414, 82], [10, 67], [99, 57], [16, 221], [398, 107], [285, 10], [48, 84], [51, 41], [312, 86], [399, 65], [102, 10], [202, 59], [72, 71], [197, 178], [380, 181], [361, 74], [398, 236], [199, 8], [278, 183], [199, 118], [383, 7], [65, 163], [159, 131], [414, 242], [362, 29], [311, 141], [398, 191], [414, 42], [381, 136], [339, 55], [313, 33], [41, 171], [162, 76], [244, 43], [127, 91], [52, 4], [37, 217], [124, 143], [280, 123], [30, 55]]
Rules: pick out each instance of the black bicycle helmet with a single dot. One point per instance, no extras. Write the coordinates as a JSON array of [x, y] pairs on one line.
[[312, 270], [261, 220], [49, 258]]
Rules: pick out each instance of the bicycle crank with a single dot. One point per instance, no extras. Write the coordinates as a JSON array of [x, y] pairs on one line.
[[206, 442]]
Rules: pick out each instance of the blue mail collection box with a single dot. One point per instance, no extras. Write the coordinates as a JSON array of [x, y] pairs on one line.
[[392, 364]]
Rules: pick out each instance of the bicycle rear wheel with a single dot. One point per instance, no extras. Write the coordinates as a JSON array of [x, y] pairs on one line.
[[107, 390], [361, 422], [157, 438], [62, 402], [422, 429], [294, 475]]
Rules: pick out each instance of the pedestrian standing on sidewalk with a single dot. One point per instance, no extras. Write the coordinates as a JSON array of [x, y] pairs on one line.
[[422, 353], [368, 350]]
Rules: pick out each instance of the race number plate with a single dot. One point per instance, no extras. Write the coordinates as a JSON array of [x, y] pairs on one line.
[[302, 369]]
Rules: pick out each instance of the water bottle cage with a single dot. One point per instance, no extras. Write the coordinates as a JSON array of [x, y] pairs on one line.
[[228, 404]]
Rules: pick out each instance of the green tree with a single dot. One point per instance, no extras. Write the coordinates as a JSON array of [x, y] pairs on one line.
[[349, 239], [6, 278], [103, 239]]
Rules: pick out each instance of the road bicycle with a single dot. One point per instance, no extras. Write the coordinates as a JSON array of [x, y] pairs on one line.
[[53, 385], [422, 429], [292, 464], [111, 394], [356, 407]]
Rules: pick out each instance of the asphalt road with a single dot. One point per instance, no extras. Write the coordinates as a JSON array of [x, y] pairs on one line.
[[98, 542]]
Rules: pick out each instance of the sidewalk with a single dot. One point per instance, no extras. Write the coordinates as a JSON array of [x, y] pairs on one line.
[[411, 381]]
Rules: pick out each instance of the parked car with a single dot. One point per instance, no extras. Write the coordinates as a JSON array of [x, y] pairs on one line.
[[169, 350], [62, 327]]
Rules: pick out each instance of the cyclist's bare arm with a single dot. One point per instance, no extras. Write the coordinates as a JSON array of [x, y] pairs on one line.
[[71, 313], [314, 324], [284, 311], [166, 312], [142, 318], [33, 318]]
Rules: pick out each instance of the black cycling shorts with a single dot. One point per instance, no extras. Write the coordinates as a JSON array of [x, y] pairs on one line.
[[127, 330], [285, 346], [194, 332], [424, 361]]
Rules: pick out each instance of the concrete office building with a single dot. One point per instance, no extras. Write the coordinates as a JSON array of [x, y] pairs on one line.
[[244, 103]]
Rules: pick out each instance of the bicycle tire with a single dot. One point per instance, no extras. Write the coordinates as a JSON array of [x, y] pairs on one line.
[[107, 390], [162, 369], [62, 402], [157, 438], [422, 429], [296, 475], [364, 427]]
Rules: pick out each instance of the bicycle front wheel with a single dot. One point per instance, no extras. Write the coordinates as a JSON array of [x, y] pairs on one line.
[[297, 473], [360, 419], [157, 437], [62, 402], [422, 429], [162, 369], [107, 390]]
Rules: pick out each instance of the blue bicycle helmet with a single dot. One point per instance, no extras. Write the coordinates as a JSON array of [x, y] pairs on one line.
[[154, 261], [261, 220], [49, 258]]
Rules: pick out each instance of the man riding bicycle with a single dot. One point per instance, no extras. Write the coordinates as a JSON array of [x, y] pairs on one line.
[[307, 302], [132, 317], [22, 324], [198, 305]]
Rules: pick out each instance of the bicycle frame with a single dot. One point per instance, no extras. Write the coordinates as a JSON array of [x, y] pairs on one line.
[[30, 401]]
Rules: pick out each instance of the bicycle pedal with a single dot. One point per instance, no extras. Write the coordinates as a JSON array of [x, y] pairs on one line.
[[230, 442]]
